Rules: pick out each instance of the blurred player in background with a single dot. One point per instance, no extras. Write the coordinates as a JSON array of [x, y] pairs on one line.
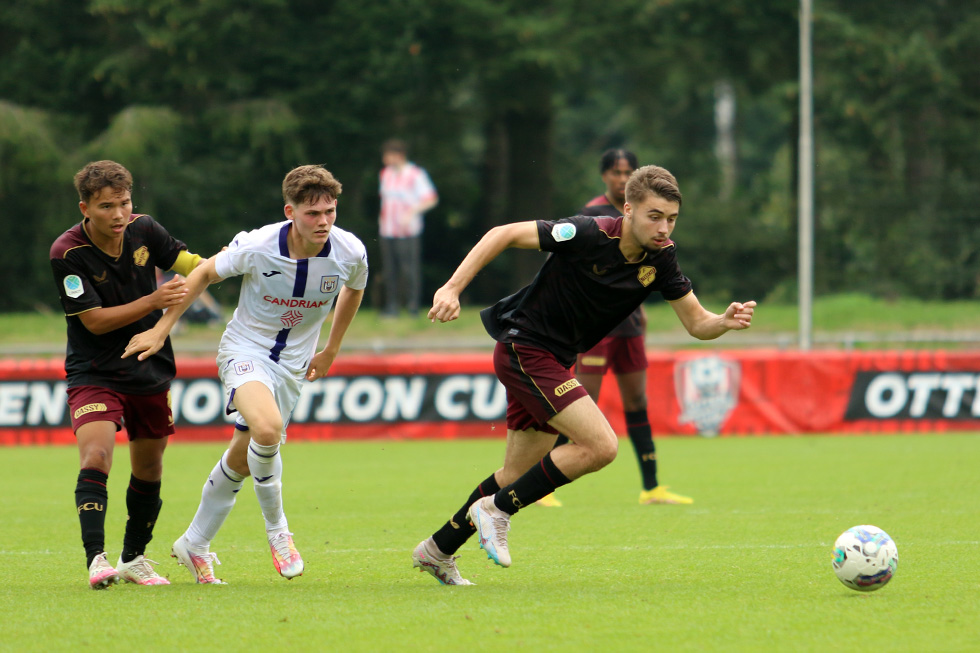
[[105, 271], [623, 351], [599, 271], [406, 194], [293, 273]]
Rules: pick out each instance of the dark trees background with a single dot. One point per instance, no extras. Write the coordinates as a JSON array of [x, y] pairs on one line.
[[509, 105]]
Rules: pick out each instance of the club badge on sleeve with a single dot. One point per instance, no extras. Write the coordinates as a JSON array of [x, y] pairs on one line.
[[562, 232], [73, 286]]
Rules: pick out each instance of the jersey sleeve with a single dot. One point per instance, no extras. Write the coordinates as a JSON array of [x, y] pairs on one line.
[[675, 284], [77, 294], [233, 262], [566, 236], [359, 274], [164, 247]]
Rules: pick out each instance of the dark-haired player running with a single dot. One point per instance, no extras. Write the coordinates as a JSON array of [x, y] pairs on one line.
[[600, 270], [104, 268]]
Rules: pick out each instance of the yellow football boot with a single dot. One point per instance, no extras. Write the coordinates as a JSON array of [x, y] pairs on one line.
[[660, 494]]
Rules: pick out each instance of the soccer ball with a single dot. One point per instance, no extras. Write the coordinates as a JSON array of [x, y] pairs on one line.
[[865, 558]]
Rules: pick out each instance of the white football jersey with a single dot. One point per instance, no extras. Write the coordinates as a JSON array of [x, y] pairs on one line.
[[284, 301]]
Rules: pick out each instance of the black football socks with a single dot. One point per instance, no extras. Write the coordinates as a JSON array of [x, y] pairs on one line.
[[143, 504], [539, 481], [457, 530], [641, 435], [91, 498]]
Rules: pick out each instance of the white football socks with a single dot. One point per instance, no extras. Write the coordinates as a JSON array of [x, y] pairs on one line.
[[217, 500], [265, 465]]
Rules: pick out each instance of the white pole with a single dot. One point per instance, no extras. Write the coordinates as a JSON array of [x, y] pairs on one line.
[[805, 194]]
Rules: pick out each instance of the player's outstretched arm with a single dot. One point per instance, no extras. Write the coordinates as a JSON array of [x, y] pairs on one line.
[[705, 325], [348, 301], [149, 342], [521, 235]]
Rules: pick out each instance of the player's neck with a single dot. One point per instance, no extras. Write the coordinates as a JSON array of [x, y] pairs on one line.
[[111, 246], [632, 251]]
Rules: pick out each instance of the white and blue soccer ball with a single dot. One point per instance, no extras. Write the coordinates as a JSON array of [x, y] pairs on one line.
[[865, 558]]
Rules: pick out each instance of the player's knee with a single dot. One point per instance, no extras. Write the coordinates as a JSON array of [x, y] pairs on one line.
[[601, 451], [266, 434], [96, 457], [606, 450]]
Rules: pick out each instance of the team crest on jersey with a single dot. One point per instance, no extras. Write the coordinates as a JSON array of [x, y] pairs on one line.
[[73, 286], [562, 232], [244, 367], [141, 256], [329, 284], [646, 274], [291, 318]]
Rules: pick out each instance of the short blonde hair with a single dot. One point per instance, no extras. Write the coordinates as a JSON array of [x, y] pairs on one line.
[[307, 184], [652, 180]]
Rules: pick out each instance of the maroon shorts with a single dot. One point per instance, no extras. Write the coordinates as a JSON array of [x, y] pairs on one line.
[[145, 416], [538, 386], [621, 355]]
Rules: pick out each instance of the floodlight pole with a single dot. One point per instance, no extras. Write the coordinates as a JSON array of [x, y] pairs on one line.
[[805, 192]]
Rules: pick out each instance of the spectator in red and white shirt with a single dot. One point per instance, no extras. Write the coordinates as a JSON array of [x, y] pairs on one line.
[[406, 194]]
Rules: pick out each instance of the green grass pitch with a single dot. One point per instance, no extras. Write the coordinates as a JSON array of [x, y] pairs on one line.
[[747, 567]]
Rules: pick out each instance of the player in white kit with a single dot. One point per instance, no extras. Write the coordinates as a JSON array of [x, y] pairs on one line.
[[292, 271]]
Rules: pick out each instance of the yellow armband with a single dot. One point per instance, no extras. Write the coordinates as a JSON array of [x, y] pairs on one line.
[[185, 262]]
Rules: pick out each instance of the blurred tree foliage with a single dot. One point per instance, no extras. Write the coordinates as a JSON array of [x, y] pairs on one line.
[[508, 105]]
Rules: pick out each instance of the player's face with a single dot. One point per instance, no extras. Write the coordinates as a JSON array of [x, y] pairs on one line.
[[313, 221], [109, 212], [616, 178], [653, 219]]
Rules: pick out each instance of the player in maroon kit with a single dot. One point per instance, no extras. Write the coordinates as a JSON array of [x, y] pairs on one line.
[[600, 270], [623, 351], [104, 268]]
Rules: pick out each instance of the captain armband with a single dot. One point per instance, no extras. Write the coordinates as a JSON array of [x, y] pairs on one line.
[[185, 263]]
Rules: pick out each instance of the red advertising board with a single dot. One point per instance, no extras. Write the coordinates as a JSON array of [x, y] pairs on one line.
[[703, 392]]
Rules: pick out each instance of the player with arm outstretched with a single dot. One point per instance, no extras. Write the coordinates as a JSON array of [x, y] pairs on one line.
[[600, 270], [623, 350], [292, 271], [104, 268]]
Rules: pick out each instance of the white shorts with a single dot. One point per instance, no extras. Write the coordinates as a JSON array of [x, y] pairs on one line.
[[238, 368]]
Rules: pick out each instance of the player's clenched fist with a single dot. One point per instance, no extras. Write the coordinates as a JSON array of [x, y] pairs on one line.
[[445, 305], [739, 315]]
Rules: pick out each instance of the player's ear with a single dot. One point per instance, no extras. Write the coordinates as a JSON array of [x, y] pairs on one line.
[[288, 211], [83, 207]]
